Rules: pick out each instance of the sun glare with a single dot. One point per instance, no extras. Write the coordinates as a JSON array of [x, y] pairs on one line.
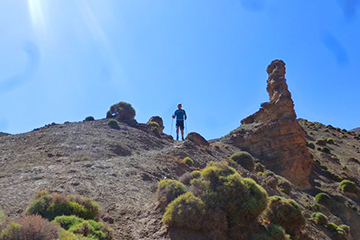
[[37, 15]]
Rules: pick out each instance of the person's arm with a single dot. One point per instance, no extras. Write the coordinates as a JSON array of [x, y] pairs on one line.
[[185, 115], [173, 116]]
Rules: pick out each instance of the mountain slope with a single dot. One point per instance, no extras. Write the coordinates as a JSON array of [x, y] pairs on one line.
[[120, 170]]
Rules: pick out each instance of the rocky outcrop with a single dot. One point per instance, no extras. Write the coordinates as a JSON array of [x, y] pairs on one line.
[[159, 121], [273, 134], [197, 139]]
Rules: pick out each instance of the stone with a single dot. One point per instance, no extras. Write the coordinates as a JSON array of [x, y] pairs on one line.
[[273, 134], [159, 121], [197, 139]]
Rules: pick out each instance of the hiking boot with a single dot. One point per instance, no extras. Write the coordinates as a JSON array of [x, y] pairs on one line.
[[177, 138], [183, 138]]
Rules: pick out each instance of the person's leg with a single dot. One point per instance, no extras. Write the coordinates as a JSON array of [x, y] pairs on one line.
[[177, 132], [182, 134]]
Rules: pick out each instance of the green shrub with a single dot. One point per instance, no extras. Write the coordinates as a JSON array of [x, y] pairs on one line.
[[188, 161], [31, 227], [244, 159], [240, 198], [113, 123], [346, 228], [87, 228], [285, 187], [153, 126], [168, 190], [319, 218], [286, 213], [90, 118], [324, 150], [122, 111], [188, 176], [2, 218], [259, 167], [323, 199], [52, 205], [12, 232], [332, 227], [348, 186], [186, 211], [269, 173], [274, 232], [310, 145], [330, 141]]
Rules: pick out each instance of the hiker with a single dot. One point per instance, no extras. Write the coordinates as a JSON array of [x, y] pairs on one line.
[[180, 118]]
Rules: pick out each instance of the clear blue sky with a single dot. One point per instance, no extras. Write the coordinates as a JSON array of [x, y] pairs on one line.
[[64, 60]]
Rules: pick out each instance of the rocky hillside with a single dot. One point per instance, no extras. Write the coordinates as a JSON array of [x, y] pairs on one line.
[[357, 130], [315, 165]]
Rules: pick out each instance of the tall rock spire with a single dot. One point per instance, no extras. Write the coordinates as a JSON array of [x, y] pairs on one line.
[[273, 134]]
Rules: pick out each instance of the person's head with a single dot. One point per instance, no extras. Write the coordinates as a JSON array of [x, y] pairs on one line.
[[179, 106]]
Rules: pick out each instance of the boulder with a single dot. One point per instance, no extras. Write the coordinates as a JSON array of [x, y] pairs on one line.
[[159, 121], [197, 139], [273, 134]]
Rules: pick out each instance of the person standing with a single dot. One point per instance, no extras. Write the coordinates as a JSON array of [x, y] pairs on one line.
[[180, 115]]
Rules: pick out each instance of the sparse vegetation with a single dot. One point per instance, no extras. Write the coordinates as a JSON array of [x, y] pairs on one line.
[[87, 228], [310, 145], [285, 187], [186, 211], [168, 190], [244, 159], [188, 161], [90, 118], [50, 206], [274, 232], [330, 141], [31, 227], [319, 218], [348, 186], [323, 199], [286, 213], [113, 123], [154, 126], [324, 150], [222, 191], [122, 111]]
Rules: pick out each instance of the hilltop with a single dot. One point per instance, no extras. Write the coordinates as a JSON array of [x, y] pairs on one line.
[[120, 168]]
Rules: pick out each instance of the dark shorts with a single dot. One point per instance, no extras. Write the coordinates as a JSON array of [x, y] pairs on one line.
[[180, 124]]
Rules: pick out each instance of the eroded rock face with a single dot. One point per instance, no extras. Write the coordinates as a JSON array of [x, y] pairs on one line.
[[273, 134]]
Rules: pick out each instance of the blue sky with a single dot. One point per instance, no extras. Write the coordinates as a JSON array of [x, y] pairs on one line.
[[64, 60]]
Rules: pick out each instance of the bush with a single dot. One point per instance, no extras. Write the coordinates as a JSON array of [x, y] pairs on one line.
[[153, 126], [285, 187], [52, 205], [87, 228], [324, 149], [90, 118], [188, 161], [274, 232], [348, 186], [186, 211], [113, 123], [345, 228], [2, 218], [122, 111], [188, 176], [244, 159], [240, 198], [323, 199], [319, 218], [310, 145], [168, 190], [31, 227], [286, 213], [332, 227], [330, 141]]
